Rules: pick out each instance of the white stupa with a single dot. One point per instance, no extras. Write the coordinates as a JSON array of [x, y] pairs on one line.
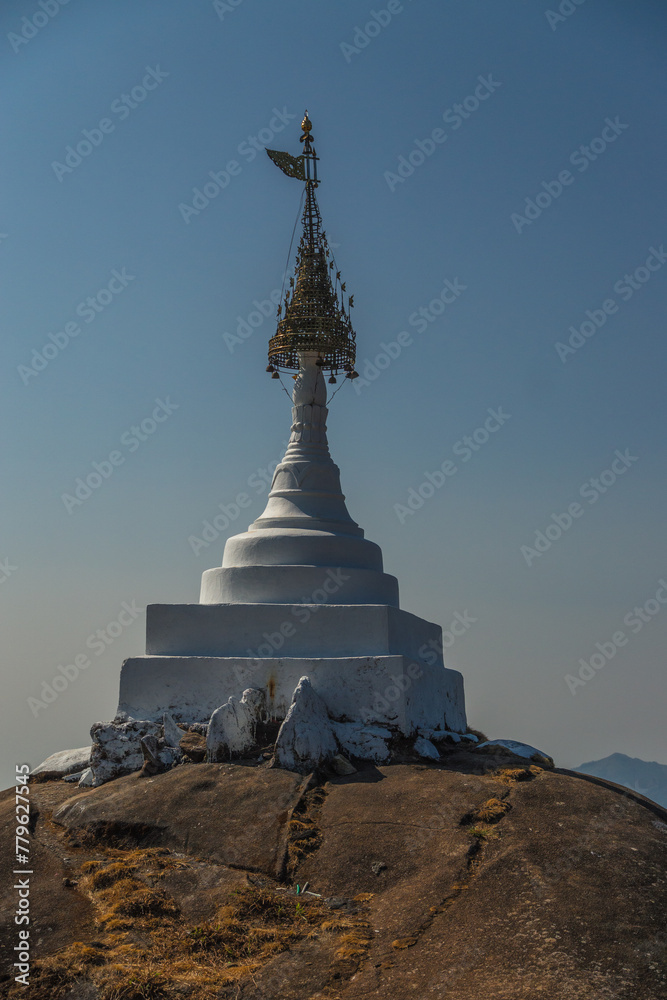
[[301, 592]]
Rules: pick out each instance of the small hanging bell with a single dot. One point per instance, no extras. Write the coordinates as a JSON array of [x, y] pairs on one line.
[[275, 375], [332, 380]]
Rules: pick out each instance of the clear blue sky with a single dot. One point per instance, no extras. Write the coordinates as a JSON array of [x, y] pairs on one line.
[[210, 77]]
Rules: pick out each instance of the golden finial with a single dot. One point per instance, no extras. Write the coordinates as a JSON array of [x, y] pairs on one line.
[[313, 317]]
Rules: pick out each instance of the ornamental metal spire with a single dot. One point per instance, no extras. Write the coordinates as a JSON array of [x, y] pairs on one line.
[[314, 315]]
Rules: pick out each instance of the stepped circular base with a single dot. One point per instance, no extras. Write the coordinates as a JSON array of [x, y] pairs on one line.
[[297, 585], [301, 547]]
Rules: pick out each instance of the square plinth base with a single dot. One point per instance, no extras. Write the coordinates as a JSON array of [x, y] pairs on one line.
[[391, 690], [281, 630]]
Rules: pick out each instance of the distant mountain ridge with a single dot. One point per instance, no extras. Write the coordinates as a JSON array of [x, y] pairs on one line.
[[644, 776]]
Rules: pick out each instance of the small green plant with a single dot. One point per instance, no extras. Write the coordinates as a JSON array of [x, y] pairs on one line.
[[479, 833]]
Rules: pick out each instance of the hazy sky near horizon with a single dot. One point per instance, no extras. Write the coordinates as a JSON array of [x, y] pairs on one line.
[[493, 181]]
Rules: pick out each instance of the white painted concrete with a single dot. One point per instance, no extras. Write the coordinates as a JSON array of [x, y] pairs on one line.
[[390, 690], [289, 584], [269, 630], [300, 594]]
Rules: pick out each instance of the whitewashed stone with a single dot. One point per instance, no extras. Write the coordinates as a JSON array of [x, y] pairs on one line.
[[117, 747], [306, 740], [426, 749], [365, 742], [255, 699], [452, 736], [64, 762], [87, 779], [232, 727], [172, 734], [74, 777], [523, 750], [190, 688]]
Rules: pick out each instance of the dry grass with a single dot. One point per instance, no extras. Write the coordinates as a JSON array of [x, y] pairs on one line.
[[508, 775], [304, 833], [491, 811], [353, 946], [146, 950]]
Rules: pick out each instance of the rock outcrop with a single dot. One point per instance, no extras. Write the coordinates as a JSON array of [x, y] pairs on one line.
[[463, 879], [63, 763], [512, 748]]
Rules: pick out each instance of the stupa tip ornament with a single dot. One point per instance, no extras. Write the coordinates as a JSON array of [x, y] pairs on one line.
[[314, 314]]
